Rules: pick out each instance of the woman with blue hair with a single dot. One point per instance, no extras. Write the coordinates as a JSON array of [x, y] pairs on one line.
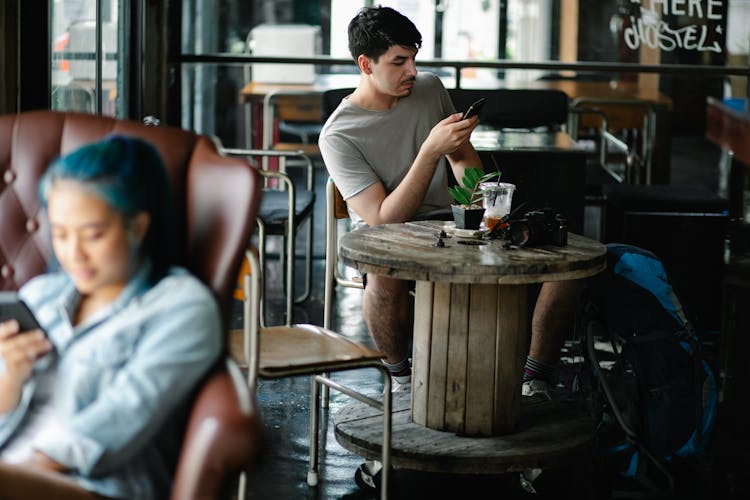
[[100, 391]]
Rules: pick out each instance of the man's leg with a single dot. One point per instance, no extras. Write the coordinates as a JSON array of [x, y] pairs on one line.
[[387, 313], [553, 316]]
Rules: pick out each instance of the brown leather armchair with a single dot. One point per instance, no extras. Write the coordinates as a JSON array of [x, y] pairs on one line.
[[216, 200]]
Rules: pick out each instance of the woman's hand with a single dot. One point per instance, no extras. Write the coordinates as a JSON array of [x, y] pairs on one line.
[[19, 351], [41, 461]]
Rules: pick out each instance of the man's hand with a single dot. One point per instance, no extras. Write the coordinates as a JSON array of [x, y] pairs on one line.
[[448, 135]]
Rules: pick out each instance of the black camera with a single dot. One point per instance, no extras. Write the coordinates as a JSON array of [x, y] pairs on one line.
[[539, 227]]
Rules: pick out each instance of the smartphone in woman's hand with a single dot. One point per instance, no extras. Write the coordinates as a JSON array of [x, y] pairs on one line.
[[13, 307]]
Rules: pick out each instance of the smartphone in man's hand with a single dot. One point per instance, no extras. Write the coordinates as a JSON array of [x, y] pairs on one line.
[[13, 307], [474, 109]]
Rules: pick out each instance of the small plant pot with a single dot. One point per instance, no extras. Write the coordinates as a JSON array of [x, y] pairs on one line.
[[467, 218]]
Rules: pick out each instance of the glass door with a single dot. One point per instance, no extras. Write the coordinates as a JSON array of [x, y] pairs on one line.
[[89, 56]]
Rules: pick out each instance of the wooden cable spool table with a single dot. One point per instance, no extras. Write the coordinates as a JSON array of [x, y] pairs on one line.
[[470, 336]]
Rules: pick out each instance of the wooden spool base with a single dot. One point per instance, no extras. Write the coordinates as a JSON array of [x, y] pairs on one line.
[[549, 433]]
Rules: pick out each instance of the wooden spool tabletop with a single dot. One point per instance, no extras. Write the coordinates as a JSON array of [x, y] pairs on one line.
[[409, 251], [549, 434]]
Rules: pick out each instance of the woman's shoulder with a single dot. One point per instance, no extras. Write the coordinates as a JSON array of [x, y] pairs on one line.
[[179, 288], [47, 279], [44, 286], [181, 284]]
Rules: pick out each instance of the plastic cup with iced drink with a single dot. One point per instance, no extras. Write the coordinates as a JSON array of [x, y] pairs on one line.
[[496, 200]]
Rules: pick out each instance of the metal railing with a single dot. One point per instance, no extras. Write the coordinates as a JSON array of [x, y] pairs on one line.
[[691, 70]]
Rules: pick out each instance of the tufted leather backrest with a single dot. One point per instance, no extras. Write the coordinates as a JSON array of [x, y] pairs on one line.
[[216, 198]]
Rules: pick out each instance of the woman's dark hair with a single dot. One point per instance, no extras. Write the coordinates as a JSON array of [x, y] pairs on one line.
[[129, 175], [374, 29]]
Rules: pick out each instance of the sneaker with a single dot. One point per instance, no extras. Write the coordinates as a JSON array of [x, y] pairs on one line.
[[536, 387], [527, 478], [367, 475]]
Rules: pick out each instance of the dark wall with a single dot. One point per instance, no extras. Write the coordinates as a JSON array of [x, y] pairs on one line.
[[689, 94], [596, 42]]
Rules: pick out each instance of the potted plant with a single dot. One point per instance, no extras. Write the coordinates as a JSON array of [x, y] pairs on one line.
[[468, 210]]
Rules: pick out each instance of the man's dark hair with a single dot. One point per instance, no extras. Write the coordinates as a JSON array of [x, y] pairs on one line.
[[374, 29]]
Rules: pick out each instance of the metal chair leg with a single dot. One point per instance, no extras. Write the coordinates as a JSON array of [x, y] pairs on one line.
[[312, 471], [387, 436], [289, 289], [242, 486], [262, 263], [308, 263]]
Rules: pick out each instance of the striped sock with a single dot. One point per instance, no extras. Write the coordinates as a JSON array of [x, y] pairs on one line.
[[537, 370], [402, 369]]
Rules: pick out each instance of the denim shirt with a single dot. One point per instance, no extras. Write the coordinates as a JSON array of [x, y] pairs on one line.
[[122, 379]]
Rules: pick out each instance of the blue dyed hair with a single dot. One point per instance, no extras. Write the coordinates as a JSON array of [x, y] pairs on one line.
[[129, 175]]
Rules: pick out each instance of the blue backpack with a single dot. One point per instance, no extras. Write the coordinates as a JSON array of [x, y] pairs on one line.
[[658, 394]]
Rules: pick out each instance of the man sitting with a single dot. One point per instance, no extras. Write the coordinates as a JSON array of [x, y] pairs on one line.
[[387, 147]]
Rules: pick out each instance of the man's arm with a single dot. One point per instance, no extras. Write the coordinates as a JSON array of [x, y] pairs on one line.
[[462, 158], [376, 206]]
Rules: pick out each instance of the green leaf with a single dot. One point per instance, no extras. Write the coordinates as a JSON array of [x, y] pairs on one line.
[[467, 193], [489, 176], [471, 177], [461, 196]]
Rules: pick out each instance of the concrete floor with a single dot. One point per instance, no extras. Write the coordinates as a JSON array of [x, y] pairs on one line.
[[285, 404], [283, 468]]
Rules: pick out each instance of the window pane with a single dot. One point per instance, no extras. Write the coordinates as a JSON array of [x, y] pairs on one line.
[[470, 33], [74, 56], [529, 29], [421, 13], [342, 11]]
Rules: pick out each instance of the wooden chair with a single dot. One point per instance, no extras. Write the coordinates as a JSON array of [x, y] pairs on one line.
[[284, 209], [216, 200], [286, 351], [336, 210], [297, 114], [630, 124]]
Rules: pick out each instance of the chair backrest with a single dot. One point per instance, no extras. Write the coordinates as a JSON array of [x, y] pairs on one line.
[[330, 99], [336, 209], [337, 203], [213, 230], [216, 200], [516, 108]]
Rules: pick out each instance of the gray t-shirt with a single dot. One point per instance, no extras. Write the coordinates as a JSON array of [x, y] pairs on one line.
[[361, 147]]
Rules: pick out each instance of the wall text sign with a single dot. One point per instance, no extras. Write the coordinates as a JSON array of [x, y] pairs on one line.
[[651, 30]]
